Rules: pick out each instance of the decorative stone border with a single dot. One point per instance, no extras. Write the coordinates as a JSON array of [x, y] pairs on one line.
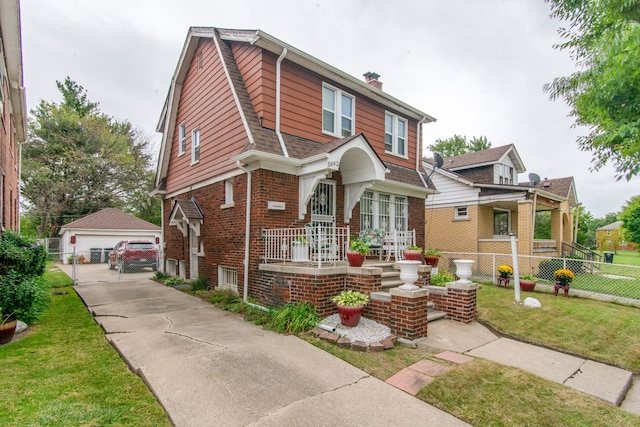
[[332, 337]]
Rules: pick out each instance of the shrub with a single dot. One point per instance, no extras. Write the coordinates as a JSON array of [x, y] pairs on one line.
[[160, 276], [293, 318], [22, 255], [200, 284], [23, 297], [442, 278], [174, 281]]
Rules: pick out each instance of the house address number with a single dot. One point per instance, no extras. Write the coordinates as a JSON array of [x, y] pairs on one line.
[[335, 164]]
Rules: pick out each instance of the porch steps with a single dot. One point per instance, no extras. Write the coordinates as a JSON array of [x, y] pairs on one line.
[[391, 279], [433, 314]]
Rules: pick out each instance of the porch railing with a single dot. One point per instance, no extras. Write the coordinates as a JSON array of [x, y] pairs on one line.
[[315, 244]]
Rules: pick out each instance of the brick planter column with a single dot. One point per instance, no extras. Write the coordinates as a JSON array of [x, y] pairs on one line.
[[408, 313], [458, 301]]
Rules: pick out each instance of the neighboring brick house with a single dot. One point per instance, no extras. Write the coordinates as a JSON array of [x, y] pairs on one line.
[[481, 202], [13, 112], [260, 138], [611, 238]]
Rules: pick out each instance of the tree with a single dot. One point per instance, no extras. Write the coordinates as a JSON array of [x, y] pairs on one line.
[[603, 38], [78, 161], [631, 220], [458, 144]]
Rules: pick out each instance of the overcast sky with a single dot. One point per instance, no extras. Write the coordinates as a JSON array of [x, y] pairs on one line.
[[477, 66]]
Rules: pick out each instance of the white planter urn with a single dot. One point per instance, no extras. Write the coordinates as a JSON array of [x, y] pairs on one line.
[[463, 270], [409, 274]]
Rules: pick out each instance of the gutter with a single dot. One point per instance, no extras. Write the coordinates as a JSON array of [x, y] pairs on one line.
[[278, 85]]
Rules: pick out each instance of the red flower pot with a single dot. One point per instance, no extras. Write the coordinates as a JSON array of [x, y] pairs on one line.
[[411, 255], [431, 260], [527, 285], [355, 258], [7, 331], [350, 316]]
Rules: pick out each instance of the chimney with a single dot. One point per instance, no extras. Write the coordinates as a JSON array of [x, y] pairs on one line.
[[372, 79]]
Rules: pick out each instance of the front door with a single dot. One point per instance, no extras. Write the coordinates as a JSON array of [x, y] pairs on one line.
[[193, 255], [323, 205]]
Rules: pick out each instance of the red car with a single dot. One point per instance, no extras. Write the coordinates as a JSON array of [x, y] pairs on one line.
[[130, 254]]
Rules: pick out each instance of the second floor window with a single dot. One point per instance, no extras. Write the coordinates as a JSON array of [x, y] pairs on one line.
[[395, 135], [337, 112], [182, 138], [195, 146]]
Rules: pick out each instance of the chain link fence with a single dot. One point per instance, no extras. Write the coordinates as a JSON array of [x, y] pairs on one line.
[[616, 281]]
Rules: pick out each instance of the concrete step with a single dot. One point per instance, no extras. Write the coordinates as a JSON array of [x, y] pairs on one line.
[[435, 315], [392, 273], [388, 284]]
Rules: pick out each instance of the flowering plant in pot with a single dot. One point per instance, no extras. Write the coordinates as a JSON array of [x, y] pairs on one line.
[[413, 253], [505, 270], [350, 306], [358, 250], [563, 276], [432, 256]]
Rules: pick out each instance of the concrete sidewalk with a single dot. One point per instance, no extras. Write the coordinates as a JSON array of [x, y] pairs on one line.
[[209, 367], [606, 382]]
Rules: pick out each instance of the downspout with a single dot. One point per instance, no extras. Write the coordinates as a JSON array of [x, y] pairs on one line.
[[247, 240], [278, 79], [418, 147], [533, 220]]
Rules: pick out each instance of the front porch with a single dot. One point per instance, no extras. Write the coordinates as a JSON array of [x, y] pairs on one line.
[[406, 313]]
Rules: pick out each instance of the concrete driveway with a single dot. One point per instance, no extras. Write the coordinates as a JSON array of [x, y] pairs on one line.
[[209, 367], [88, 273]]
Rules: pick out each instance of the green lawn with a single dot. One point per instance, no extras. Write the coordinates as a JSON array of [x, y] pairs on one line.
[[627, 258], [65, 373]]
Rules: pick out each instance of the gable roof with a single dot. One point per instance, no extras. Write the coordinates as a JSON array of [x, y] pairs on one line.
[[260, 140], [110, 219], [613, 226], [563, 187], [483, 158]]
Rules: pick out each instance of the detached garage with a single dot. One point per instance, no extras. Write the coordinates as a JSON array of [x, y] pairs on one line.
[[98, 231]]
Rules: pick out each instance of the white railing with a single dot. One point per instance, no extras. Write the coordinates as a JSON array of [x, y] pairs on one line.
[[316, 244]]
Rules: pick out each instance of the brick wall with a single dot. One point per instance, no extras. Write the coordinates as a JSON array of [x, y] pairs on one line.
[[458, 301]]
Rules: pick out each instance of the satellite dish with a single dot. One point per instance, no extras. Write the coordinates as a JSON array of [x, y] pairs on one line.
[[437, 160], [534, 178]]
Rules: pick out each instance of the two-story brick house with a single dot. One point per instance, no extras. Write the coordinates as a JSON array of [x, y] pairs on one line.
[[264, 146], [481, 202], [13, 112]]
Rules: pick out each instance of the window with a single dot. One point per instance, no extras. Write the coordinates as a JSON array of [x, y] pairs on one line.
[[461, 212], [228, 192], [395, 135], [227, 278], [501, 222], [337, 112], [182, 138], [506, 174], [195, 146], [384, 211]]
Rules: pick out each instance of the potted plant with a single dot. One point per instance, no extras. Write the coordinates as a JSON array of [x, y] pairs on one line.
[[563, 276], [413, 253], [432, 256], [505, 271], [527, 282], [350, 306], [8, 323], [300, 249], [357, 251]]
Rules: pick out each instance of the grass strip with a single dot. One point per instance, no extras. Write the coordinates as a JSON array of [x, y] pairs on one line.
[[599, 331], [65, 373]]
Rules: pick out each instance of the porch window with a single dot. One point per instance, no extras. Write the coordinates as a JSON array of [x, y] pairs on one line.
[[383, 211], [395, 135], [195, 146], [501, 222], [182, 138], [337, 112]]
